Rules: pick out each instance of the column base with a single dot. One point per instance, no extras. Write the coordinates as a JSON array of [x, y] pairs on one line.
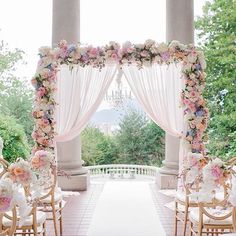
[[165, 181], [74, 182]]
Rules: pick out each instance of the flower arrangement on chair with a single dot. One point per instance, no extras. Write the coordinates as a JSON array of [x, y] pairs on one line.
[[42, 161], [21, 173], [6, 194], [7, 204], [214, 214]]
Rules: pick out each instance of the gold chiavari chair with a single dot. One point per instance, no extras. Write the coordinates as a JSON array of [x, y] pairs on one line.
[[211, 218], [183, 202], [50, 201], [34, 223], [215, 217], [234, 219], [11, 230]]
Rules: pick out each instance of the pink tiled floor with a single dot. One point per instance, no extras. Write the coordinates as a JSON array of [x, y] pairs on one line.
[[78, 211]]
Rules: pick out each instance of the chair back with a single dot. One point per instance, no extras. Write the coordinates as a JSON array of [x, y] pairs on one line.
[[48, 188], [13, 219], [3, 166]]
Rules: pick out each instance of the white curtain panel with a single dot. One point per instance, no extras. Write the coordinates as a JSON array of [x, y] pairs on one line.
[[80, 92], [158, 88]]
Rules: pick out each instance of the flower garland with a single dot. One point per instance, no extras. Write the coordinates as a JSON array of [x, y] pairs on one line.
[[44, 83], [193, 65]]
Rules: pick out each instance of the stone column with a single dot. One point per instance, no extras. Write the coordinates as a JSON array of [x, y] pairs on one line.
[[66, 25], [179, 26], [65, 21]]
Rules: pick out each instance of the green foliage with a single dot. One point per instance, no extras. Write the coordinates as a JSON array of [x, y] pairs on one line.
[[217, 37], [15, 141], [223, 142], [97, 149], [8, 59], [139, 141], [16, 98]]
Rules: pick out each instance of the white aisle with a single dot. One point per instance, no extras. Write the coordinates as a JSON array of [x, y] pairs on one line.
[[126, 209]]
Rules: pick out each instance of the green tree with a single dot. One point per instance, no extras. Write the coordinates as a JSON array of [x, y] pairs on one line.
[[14, 138], [16, 98], [139, 141], [97, 149], [217, 37]]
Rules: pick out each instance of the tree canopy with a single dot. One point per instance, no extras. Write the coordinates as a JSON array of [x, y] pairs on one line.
[[216, 31]]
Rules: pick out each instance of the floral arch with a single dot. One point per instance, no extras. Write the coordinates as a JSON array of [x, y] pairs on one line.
[[139, 55]]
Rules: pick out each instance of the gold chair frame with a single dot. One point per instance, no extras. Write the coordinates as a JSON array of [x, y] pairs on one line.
[[29, 229], [210, 228], [181, 216], [8, 231], [56, 207]]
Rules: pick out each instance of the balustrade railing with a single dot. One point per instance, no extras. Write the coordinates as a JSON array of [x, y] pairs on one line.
[[121, 169]]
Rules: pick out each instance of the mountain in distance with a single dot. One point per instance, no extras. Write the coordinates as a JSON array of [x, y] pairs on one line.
[[113, 116]]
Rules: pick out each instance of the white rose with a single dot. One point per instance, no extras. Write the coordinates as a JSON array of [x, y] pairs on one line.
[[45, 51], [187, 67], [192, 58], [127, 44], [162, 47], [174, 44], [154, 49], [149, 43], [139, 46], [82, 51]]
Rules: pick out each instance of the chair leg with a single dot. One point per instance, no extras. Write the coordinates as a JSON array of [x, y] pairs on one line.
[[191, 228], [54, 216], [176, 220], [60, 207], [185, 219], [199, 229], [44, 229]]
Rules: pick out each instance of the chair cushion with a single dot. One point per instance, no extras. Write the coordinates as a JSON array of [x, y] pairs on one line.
[[57, 198], [194, 216], [182, 197], [28, 221]]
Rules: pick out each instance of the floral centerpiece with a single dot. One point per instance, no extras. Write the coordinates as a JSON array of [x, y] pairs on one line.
[[42, 161], [21, 173]]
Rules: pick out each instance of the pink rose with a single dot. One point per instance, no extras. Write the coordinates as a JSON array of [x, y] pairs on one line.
[[144, 53], [5, 203], [114, 56], [216, 172], [93, 52], [41, 92]]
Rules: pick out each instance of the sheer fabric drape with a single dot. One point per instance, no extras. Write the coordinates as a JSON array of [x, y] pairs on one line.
[[157, 88], [80, 92]]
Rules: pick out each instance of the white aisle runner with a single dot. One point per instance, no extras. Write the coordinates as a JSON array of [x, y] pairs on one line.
[[126, 209]]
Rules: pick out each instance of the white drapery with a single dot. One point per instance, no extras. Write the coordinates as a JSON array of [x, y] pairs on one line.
[[80, 92], [158, 88]]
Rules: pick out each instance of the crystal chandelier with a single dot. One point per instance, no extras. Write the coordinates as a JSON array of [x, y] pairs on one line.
[[117, 96]]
